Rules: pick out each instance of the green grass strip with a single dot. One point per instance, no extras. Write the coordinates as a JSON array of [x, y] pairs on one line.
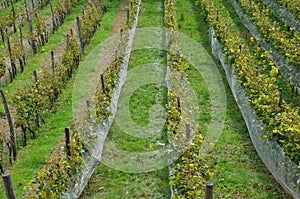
[[109, 183]]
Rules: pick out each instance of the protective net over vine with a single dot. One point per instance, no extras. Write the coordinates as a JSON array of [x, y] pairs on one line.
[[100, 129], [290, 72], [283, 169], [283, 13]]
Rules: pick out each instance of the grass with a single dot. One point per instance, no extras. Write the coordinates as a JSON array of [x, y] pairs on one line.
[[107, 182], [238, 170], [112, 184], [33, 157], [5, 11]]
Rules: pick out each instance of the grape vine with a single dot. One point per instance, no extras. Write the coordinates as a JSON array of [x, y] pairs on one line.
[[277, 33], [111, 76], [283, 121], [60, 171], [292, 6], [189, 171]]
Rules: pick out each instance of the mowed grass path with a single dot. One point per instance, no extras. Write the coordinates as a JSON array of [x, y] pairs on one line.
[[107, 182]]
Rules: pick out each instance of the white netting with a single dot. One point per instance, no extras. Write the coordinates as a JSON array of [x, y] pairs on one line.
[[290, 72], [92, 159], [283, 169], [283, 13]]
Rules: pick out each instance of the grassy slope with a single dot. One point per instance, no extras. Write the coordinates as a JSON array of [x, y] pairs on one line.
[[34, 62], [45, 12], [239, 172], [33, 157], [109, 183]]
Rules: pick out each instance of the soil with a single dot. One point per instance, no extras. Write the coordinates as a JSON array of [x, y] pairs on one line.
[[119, 21]]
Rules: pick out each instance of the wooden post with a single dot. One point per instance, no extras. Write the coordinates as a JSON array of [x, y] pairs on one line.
[[256, 72], [8, 186], [79, 34], [53, 18], [67, 41], [280, 97], [14, 15], [188, 131], [26, 10], [10, 123], [179, 104], [209, 191], [24, 135], [32, 42], [35, 76], [128, 16], [12, 62], [10, 75], [37, 121], [88, 103], [116, 55], [1, 168], [116, 58], [88, 108], [67, 135], [2, 35], [21, 43], [32, 3], [52, 61], [102, 83]]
